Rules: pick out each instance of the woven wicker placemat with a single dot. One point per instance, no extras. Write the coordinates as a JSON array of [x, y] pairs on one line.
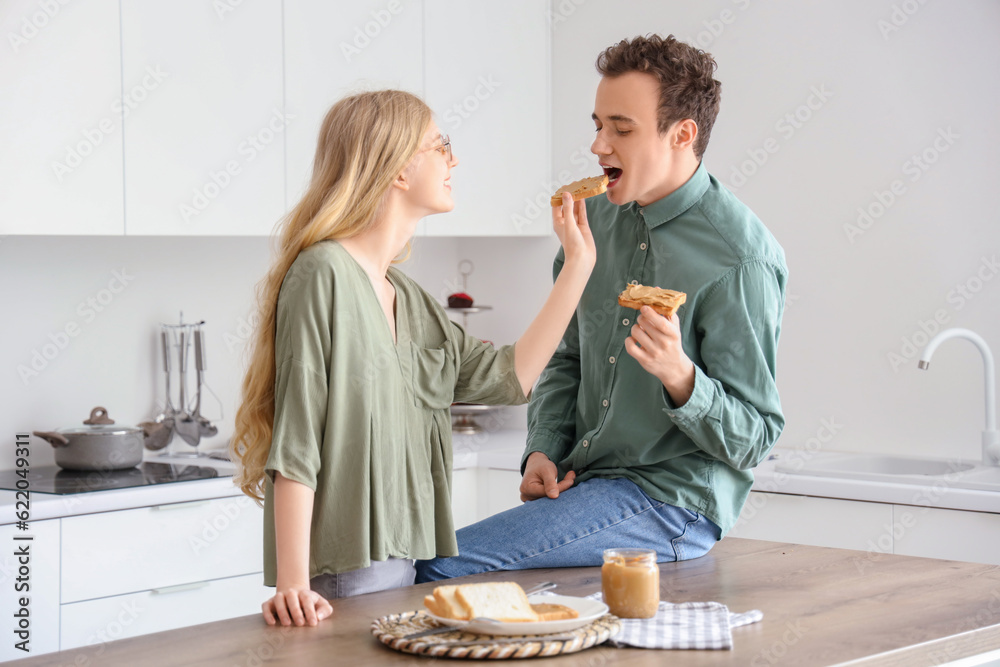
[[391, 629]]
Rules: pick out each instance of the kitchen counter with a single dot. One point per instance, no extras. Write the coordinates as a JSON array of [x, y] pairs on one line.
[[499, 449], [819, 609], [937, 492]]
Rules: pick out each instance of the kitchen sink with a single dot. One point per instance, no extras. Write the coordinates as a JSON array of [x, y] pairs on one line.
[[895, 469]]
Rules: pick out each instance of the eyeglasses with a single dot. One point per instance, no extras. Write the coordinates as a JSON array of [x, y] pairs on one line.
[[443, 149]]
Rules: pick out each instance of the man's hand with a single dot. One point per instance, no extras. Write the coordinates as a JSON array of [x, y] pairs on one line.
[[540, 478], [656, 344]]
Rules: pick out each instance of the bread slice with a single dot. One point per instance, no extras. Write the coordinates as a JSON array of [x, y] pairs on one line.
[[501, 601], [664, 301], [433, 607], [449, 605], [585, 187], [554, 612]]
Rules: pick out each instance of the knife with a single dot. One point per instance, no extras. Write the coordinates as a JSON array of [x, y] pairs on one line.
[[501, 640]]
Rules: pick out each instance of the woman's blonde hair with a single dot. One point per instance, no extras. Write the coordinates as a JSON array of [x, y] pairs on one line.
[[365, 142]]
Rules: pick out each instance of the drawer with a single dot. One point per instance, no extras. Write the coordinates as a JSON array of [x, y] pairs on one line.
[[156, 547], [821, 522], [930, 532], [95, 622]]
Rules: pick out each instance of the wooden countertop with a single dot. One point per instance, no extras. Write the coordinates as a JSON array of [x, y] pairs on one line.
[[821, 607]]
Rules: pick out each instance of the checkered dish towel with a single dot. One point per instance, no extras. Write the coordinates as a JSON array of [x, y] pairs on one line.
[[688, 625]]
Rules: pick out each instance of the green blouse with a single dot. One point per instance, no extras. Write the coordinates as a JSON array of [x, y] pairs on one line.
[[365, 422]]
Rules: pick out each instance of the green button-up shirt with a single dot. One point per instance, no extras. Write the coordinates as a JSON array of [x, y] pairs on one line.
[[598, 412]]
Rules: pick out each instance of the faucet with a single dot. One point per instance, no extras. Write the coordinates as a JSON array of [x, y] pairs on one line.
[[991, 438]]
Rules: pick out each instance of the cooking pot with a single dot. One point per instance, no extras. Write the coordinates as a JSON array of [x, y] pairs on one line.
[[99, 444]]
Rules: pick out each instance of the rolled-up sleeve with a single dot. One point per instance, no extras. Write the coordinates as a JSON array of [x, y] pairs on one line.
[[303, 344]]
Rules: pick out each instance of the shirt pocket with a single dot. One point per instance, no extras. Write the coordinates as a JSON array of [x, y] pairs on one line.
[[434, 376]]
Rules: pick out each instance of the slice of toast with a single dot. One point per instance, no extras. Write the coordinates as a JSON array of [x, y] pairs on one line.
[[449, 604], [585, 187], [663, 301], [554, 612], [501, 601]]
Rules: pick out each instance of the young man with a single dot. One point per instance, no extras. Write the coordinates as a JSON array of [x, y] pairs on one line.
[[652, 423]]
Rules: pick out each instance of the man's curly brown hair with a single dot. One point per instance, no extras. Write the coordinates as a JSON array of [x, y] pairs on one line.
[[685, 74]]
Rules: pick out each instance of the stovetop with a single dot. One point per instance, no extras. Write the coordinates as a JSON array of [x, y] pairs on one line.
[[53, 479]]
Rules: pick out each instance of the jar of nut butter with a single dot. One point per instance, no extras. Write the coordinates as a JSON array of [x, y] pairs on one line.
[[630, 582]]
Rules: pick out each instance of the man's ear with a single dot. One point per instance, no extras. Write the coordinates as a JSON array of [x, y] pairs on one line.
[[685, 133]]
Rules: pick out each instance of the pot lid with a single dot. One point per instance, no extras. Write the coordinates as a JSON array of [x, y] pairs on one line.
[[99, 424]]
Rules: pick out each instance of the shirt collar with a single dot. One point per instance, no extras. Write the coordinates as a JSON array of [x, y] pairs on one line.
[[678, 201]]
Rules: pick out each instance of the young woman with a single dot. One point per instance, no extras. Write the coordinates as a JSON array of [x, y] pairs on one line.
[[344, 428]]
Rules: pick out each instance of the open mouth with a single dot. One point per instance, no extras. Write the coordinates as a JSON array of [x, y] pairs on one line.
[[613, 174]]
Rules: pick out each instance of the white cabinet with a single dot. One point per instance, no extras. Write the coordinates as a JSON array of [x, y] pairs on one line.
[[502, 491], [822, 522], [112, 553], [871, 527], [949, 534], [204, 119], [477, 493], [487, 67], [61, 118], [94, 622], [333, 49], [41, 576]]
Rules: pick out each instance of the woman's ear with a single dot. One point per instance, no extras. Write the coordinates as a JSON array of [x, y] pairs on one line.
[[401, 182]]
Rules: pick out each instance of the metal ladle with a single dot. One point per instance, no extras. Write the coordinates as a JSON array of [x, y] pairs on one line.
[[160, 431], [206, 428], [184, 423]]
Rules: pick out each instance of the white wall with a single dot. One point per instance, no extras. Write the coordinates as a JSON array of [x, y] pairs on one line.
[[851, 304], [114, 358]]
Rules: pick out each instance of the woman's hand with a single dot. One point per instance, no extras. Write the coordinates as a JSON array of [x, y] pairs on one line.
[[296, 605], [570, 224]]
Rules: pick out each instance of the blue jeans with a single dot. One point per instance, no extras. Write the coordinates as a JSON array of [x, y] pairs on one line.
[[573, 531]]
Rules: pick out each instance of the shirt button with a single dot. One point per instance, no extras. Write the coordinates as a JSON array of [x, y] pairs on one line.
[[642, 246], [605, 402], [633, 282], [585, 443], [625, 321], [611, 359]]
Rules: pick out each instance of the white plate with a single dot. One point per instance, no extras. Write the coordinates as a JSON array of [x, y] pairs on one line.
[[589, 610]]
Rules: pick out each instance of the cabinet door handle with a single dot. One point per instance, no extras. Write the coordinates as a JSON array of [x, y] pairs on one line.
[[180, 506], [179, 588]]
